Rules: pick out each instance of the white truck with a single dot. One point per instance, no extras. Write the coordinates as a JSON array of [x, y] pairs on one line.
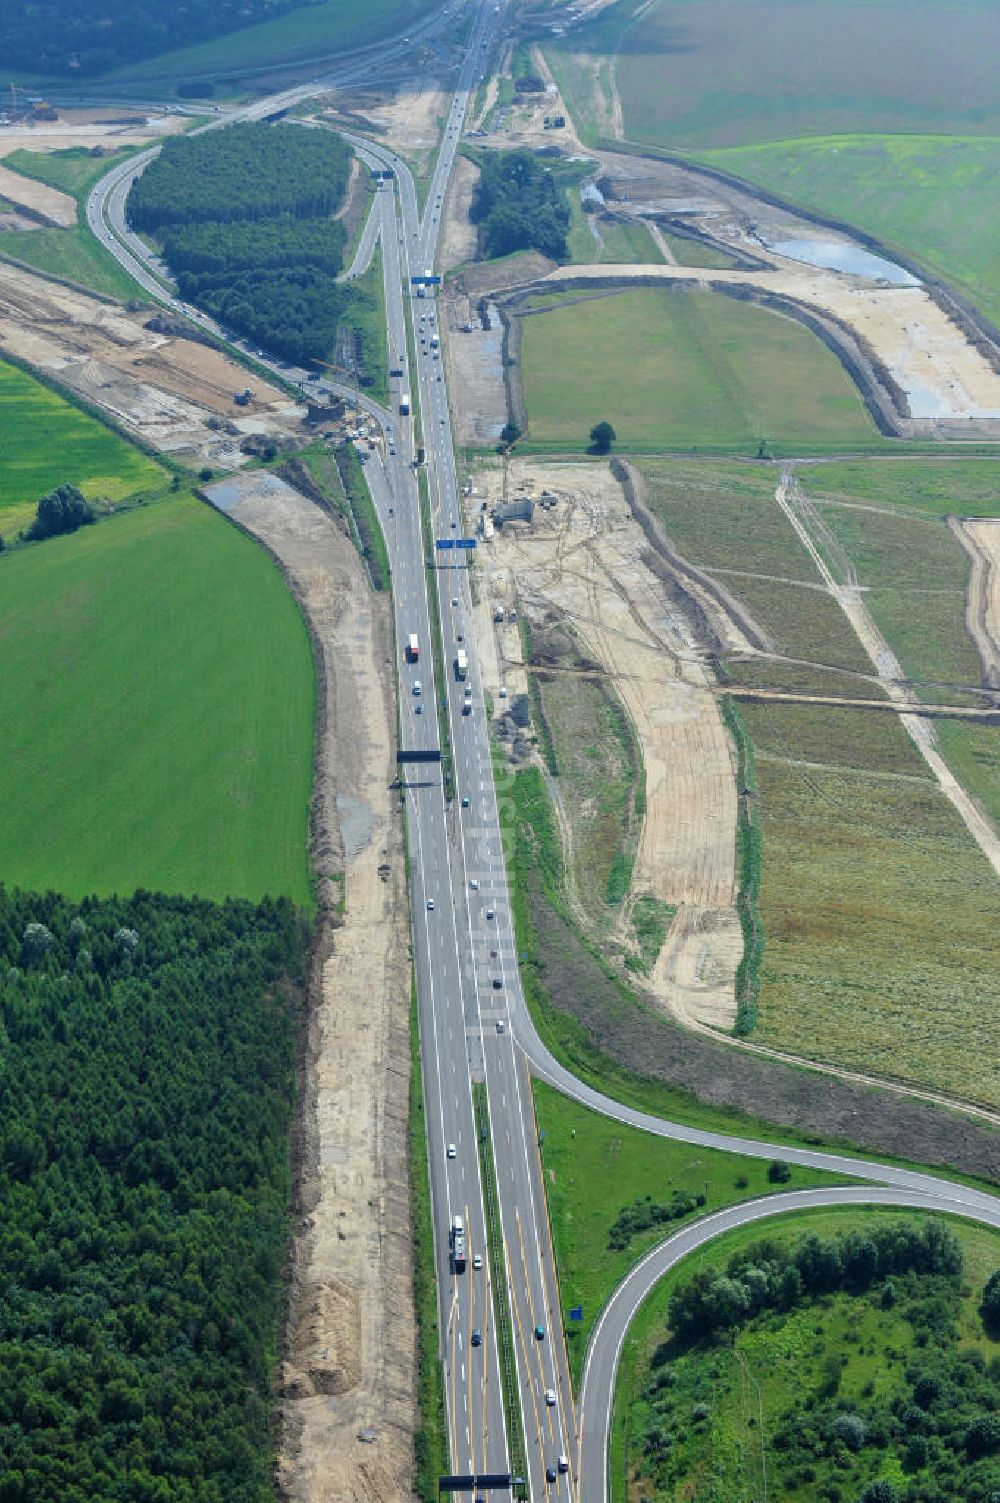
[[457, 1239], [404, 403], [412, 648], [461, 664]]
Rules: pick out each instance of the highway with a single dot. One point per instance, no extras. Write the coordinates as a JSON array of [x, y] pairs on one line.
[[474, 1023]]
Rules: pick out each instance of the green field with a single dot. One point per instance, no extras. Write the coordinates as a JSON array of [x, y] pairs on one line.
[[930, 197], [860, 866], [706, 73], [595, 1168], [308, 34], [156, 712], [725, 1403], [71, 254], [926, 487], [592, 238], [82, 452], [685, 369]]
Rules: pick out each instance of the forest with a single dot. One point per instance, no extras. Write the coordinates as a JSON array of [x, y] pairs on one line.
[[519, 205], [242, 216], [86, 37], [148, 1083]]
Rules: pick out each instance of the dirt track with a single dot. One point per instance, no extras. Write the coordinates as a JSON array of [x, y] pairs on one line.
[[980, 537], [350, 1364], [585, 563]]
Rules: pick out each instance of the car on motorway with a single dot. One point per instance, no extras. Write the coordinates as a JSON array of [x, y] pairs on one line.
[[419, 710], [451, 1150], [500, 1025], [539, 1333], [430, 905], [465, 803], [497, 983], [474, 884], [563, 1463], [477, 1261], [550, 1397], [490, 913], [551, 1474], [454, 600], [477, 1337], [418, 687]]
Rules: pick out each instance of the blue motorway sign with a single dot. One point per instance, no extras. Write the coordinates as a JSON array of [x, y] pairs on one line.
[[425, 281], [445, 543], [465, 542]]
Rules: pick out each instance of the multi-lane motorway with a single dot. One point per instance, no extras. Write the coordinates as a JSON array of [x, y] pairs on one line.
[[475, 1027]]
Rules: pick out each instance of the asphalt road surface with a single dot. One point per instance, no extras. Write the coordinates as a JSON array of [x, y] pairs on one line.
[[475, 1027]]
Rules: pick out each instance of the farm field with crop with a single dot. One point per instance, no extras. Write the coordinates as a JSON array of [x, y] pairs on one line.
[[155, 712], [87, 454], [855, 972], [310, 31], [685, 369], [712, 73], [831, 1378]]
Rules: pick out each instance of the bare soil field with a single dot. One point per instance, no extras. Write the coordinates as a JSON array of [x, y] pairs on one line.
[[584, 563], [47, 205], [348, 1382], [161, 388], [980, 537]]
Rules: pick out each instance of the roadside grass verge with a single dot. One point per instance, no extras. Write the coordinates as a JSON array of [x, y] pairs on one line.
[[156, 712], [603, 1177], [682, 368], [367, 313], [498, 1283], [78, 450], [602, 1032], [748, 862], [839, 1346], [431, 1441], [340, 477], [75, 169]]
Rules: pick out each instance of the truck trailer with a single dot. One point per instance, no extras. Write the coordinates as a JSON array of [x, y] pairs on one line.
[[412, 648], [457, 1239], [404, 403], [461, 664]]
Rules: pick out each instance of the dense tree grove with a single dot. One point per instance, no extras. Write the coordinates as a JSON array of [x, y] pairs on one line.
[[91, 36], [771, 1276], [518, 205], [240, 214], [249, 171], [62, 510], [147, 1083]]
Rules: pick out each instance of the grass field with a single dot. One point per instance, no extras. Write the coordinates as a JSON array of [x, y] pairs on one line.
[[595, 1168], [685, 369], [703, 73], [931, 197], [72, 254], [156, 712], [858, 1347], [310, 32], [834, 737], [860, 967], [925, 487], [80, 451], [592, 238]]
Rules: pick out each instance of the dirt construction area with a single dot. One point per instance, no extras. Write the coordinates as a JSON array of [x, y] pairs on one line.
[[161, 388], [583, 563], [348, 1381]]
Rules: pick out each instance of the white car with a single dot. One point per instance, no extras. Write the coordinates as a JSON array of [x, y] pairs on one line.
[[451, 1150], [430, 905], [477, 1261], [550, 1397], [474, 884], [418, 687]]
